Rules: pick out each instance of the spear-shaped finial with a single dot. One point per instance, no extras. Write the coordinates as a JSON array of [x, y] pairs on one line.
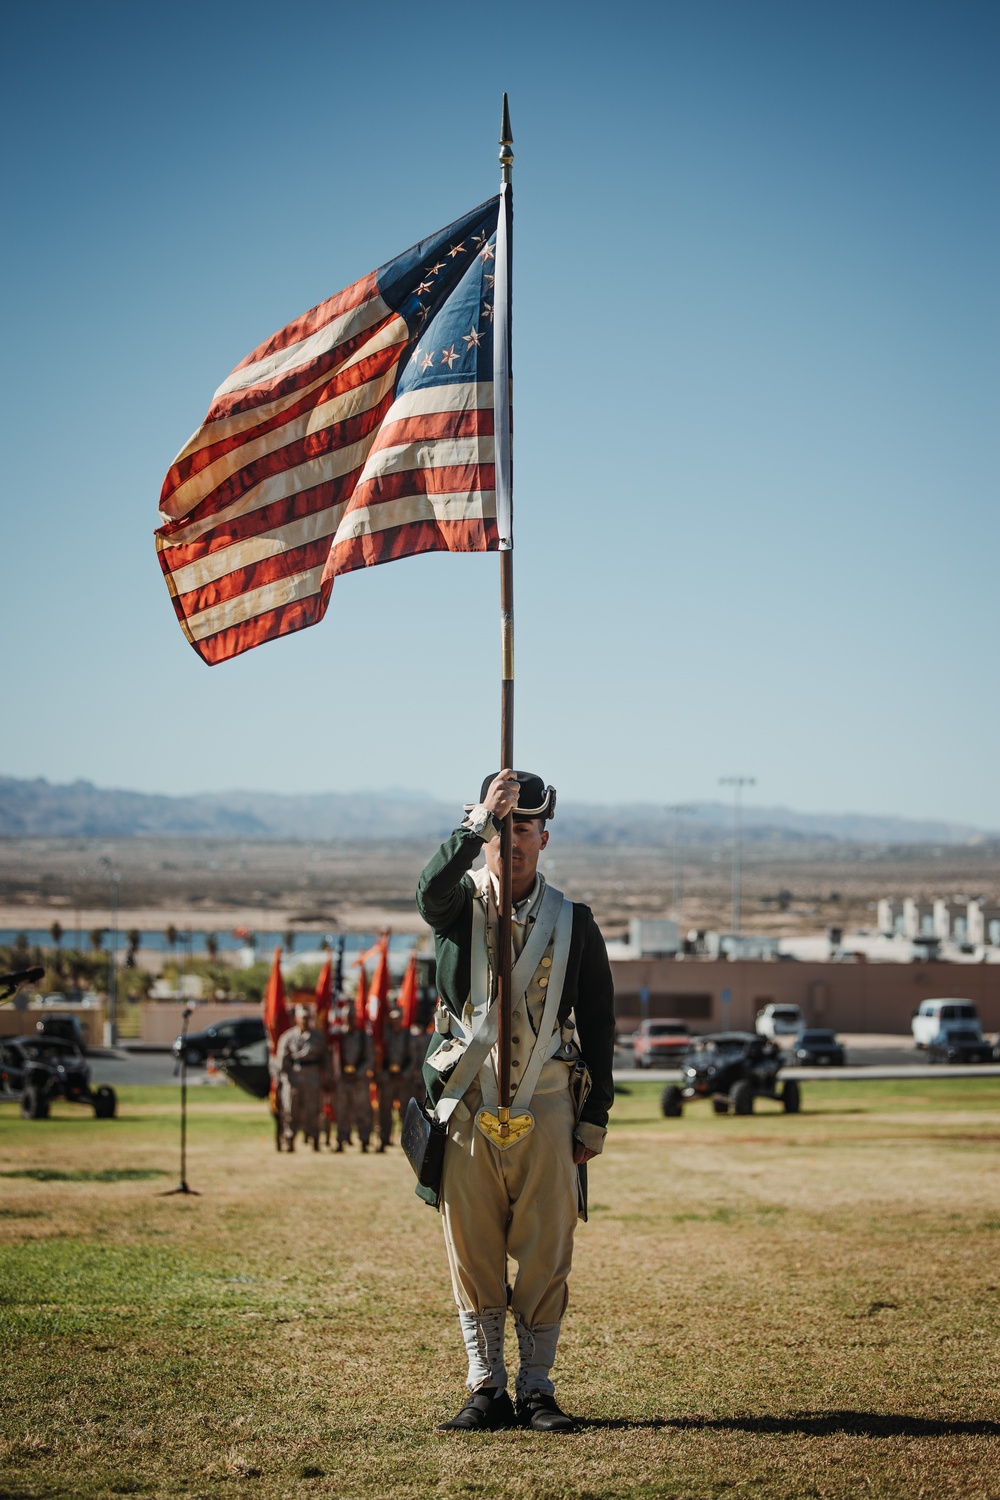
[[506, 144]]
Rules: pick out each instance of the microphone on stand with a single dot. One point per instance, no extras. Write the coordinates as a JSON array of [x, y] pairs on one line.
[[23, 976]]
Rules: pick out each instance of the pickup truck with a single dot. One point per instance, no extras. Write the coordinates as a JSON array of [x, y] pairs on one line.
[[660, 1043]]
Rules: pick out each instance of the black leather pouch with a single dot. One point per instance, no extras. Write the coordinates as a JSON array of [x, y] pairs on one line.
[[423, 1141]]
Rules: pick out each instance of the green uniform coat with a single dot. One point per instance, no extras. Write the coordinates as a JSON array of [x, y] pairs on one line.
[[444, 899]]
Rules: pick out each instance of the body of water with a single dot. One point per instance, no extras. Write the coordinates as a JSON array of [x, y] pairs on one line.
[[192, 943]]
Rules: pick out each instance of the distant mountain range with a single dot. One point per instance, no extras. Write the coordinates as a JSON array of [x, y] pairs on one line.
[[39, 809]]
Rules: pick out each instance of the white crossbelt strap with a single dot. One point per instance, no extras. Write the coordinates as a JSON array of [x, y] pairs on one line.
[[542, 1049], [482, 1034]]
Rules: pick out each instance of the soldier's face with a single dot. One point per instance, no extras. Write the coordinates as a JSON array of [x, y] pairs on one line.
[[529, 839]]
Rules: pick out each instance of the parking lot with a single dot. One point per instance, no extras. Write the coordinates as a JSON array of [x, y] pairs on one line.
[[867, 1057]]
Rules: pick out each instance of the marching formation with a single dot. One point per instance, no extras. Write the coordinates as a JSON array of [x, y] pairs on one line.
[[341, 1064]]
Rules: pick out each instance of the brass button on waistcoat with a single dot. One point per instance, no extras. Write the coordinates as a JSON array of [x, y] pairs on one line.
[[546, 962], [544, 980]]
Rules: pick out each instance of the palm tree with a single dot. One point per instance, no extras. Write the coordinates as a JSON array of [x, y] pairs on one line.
[[134, 938], [171, 935], [56, 933], [211, 946], [97, 938]]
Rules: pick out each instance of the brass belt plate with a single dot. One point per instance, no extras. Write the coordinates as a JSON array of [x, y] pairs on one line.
[[505, 1136]]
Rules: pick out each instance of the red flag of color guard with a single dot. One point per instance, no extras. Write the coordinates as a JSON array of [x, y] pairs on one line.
[[324, 994], [378, 994], [276, 1017], [362, 432], [361, 1000], [407, 1000]]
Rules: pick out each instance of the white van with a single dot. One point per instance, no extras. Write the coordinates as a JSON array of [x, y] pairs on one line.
[[779, 1020], [936, 1017]]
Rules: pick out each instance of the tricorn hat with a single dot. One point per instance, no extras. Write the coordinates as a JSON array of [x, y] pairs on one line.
[[536, 799]]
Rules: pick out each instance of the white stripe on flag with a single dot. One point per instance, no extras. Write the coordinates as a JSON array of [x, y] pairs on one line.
[[423, 402], [361, 399], [501, 375], [255, 602], [243, 554], [283, 361], [410, 510], [279, 487], [428, 453]]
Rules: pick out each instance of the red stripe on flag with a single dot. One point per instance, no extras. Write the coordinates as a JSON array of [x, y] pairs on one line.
[[256, 522], [369, 368], [317, 317], [277, 386], [266, 627], [444, 424], [450, 479], [255, 575], [406, 541], [268, 465]]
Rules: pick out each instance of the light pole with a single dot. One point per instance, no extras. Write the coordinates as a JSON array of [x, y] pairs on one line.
[[737, 783], [679, 810], [111, 1024]]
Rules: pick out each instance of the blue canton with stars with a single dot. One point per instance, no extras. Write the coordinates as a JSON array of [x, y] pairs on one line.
[[443, 288]]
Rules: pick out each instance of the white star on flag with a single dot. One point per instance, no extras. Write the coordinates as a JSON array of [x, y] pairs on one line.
[[456, 250], [472, 338], [427, 361], [448, 356]]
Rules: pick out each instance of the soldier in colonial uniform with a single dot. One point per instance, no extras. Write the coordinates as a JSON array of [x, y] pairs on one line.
[[395, 1083], [301, 1065], [521, 1202], [354, 1102]]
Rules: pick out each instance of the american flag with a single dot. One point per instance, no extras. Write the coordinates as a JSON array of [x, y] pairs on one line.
[[360, 433]]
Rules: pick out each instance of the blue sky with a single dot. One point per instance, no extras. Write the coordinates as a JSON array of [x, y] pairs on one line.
[[756, 390]]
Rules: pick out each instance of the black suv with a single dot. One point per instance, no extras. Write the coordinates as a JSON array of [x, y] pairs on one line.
[[816, 1048], [960, 1044], [38, 1069], [220, 1040], [732, 1068]]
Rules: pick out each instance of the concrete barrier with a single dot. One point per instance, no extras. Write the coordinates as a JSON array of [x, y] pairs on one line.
[[22, 1022], [161, 1019]]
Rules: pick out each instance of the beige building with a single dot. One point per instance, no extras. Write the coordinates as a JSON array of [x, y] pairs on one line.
[[847, 996]]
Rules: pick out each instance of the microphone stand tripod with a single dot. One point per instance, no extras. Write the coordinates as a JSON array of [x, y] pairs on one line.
[[182, 1186]]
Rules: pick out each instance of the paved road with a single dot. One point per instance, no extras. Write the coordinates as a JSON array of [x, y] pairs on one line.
[[143, 1067], [118, 1066], [867, 1074]]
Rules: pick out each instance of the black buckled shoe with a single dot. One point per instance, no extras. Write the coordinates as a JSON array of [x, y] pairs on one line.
[[542, 1413], [487, 1410]]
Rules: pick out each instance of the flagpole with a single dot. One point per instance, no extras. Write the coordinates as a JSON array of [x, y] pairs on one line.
[[504, 503]]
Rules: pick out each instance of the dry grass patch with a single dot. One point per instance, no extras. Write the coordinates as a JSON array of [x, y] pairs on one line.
[[778, 1307]]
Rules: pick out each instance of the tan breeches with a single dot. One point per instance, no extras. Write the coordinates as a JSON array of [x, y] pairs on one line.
[[520, 1203]]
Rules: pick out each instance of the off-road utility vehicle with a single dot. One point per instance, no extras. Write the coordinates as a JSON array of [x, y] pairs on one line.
[[38, 1069], [732, 1068]]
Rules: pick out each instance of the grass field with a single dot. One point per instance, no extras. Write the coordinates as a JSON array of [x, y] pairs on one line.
[[778, 1307]]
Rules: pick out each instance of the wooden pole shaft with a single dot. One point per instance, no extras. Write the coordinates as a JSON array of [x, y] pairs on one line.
[[504, 490], [505, 933]]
